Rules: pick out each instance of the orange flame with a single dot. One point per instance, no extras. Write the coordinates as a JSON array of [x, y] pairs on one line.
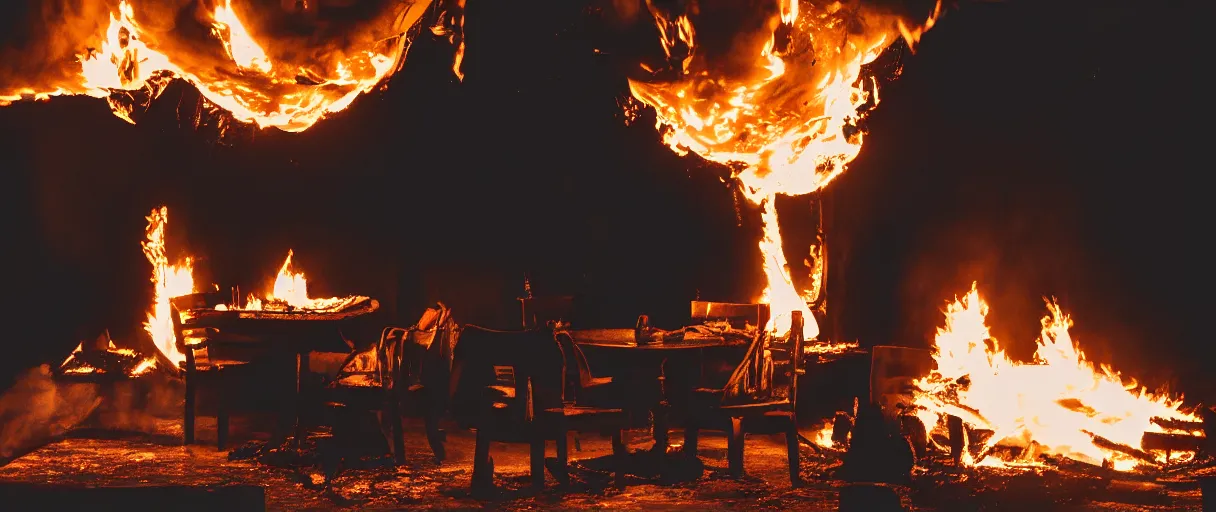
[[788, 125], [168, 281], [1059, 402], [290, 89], [291, 289]]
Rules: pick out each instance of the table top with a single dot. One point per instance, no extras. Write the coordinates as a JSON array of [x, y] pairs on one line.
[[623, 339]]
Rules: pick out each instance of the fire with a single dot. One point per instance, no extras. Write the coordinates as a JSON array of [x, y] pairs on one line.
[[787, 123], [168, 281], [287, 82], [1059, 404], [291, 290]]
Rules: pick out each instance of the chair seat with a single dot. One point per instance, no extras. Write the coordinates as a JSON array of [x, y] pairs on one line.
[[217, 364], [581, 410], [775, 407], [501, 392], [598, 381]]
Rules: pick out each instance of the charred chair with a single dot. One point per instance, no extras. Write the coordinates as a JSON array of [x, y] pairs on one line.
[[213, 358], [508, 386], [759, 397], [388, 377], [425, 369]]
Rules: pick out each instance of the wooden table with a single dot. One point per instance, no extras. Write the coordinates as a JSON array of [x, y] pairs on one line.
[[289, 336], [653, 360]]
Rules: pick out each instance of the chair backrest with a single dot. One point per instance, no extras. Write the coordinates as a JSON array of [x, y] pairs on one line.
[[577, 371], [769, 371], [737, 315], [426, 357], [512, 359]]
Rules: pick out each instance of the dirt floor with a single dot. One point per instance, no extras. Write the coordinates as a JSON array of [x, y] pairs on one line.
[[106, 459]]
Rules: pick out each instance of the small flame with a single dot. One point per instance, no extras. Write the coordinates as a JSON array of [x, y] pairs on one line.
[[289, 91], [291, 289], [822, 435], [789, 126], [1061, 402], [168, 281]]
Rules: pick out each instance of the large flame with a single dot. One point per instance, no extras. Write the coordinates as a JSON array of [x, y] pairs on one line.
[[780, 108], [291, 289], [1060, 403], [168, 281], [288, 82]]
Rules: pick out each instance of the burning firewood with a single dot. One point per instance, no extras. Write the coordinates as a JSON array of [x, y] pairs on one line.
[[102, 358]]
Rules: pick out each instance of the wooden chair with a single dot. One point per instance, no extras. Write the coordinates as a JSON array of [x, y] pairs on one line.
[[508, 386], [425, 370], [212, 358], [388, 378], [760, 396]]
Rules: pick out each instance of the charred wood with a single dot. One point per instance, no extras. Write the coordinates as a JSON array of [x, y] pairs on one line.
[[1173, 424], [1131, 451], [1171, 442]]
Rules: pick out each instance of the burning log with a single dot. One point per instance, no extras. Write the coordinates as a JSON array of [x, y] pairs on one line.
[[914, 429], [1172, 443], [958, 438], [1131, 451], [1173, 424]]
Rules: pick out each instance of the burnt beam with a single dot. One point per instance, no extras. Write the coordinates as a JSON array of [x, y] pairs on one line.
[[1171, 442], [1173, 424]]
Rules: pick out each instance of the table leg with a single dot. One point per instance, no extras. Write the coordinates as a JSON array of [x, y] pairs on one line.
[[301, 372]]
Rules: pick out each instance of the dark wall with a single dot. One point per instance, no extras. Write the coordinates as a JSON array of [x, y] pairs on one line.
[[1039, 148]]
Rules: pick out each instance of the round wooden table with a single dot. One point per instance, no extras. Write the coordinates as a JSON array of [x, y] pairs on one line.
[[653, 361]]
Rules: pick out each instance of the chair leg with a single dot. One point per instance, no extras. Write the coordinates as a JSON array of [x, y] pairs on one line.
[[221, 425], [692, 434], [433, 435], [619, 456], [394, 418], [563, 454], [188, 413], [734, 449], [483, 467], [791, 447], [660, 430], [537, 460]]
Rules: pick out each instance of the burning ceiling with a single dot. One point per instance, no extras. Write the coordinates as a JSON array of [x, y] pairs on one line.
[[776, 93], [274, 66]]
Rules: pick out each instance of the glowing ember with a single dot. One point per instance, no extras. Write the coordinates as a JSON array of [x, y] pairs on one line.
[[291, 291], [168, 281], [784, 115], [1055, 405], [289, 82], [822, 435]]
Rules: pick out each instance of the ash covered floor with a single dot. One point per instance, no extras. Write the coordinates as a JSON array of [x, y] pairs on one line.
[[100, 459]]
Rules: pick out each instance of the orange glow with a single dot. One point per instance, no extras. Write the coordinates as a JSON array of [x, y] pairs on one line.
[[168, 281], [789, 125], [288, 82], [290, 290], [1058, 403]]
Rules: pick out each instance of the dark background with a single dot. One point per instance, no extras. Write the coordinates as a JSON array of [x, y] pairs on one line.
[[1039, 148]]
